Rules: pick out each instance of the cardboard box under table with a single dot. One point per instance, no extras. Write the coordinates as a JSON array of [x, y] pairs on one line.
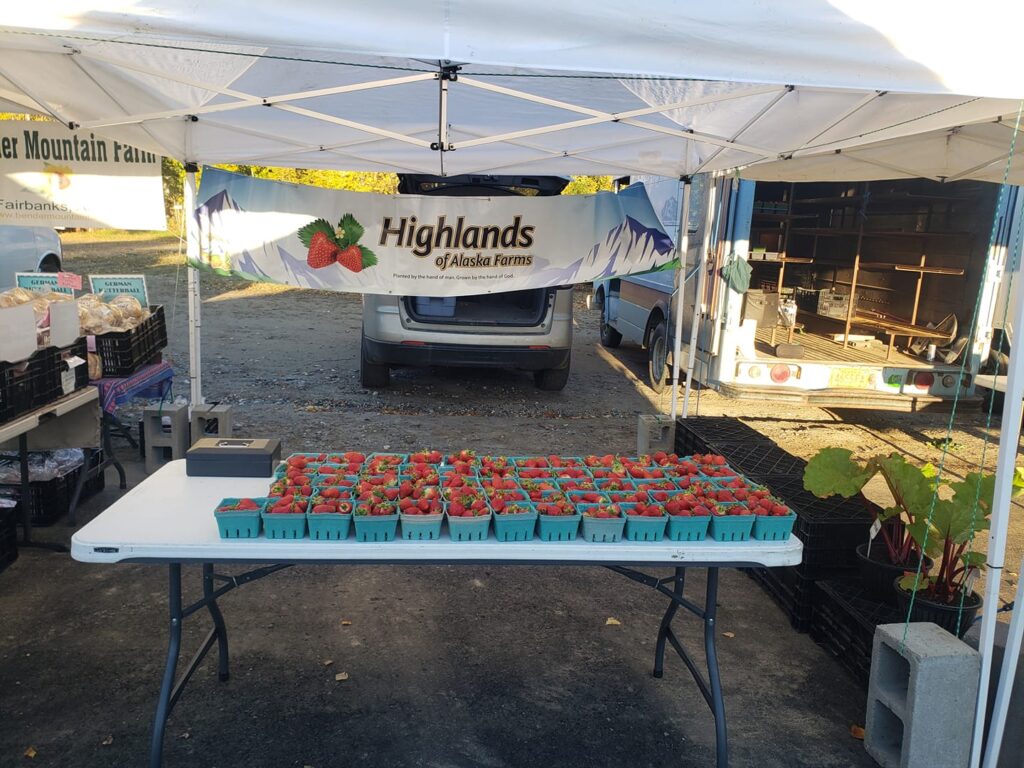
[[168, 520]]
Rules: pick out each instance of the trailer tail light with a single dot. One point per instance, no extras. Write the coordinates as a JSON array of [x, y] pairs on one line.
[[948, 381], [780, 373], [409, 343], [754, 372], [924, 379]]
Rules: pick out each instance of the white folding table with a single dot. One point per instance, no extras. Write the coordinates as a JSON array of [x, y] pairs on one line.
[[168, 519]]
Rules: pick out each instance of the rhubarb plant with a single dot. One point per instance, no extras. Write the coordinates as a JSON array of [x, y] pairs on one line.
[[929, 515]]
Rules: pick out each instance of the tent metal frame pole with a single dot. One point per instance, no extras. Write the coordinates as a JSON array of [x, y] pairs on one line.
[[683, 249], [698, 297], [195, 359], [1013, 405], [256, 101]]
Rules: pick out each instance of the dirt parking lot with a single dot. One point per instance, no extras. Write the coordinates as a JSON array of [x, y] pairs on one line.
[[449, 666]]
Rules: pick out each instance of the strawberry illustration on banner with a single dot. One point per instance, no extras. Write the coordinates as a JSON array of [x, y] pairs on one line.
[[329, 245]]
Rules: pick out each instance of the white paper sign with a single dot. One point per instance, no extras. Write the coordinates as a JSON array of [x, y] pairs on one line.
[[875, 528], [54, 177]]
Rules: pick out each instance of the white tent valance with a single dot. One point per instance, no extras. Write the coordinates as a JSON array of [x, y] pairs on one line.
[[671, 89]]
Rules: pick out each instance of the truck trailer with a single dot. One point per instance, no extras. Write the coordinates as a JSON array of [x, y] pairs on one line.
[[879, 294]]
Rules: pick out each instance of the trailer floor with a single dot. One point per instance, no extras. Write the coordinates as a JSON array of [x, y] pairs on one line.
[[820, 347]]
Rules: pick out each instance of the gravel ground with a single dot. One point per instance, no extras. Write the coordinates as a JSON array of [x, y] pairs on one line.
[[448, 666]]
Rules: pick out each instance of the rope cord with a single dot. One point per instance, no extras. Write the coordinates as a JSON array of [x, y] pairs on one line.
[[956, 397], [1011, 266]]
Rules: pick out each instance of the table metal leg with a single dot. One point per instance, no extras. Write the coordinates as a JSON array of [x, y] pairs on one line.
[[710, 686], [717, 701], [110, 458], [165, 702], [666, 622], [218, 622]]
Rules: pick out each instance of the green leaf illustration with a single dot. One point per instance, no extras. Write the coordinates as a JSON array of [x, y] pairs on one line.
[[318, 225], [369, 257], [349, 231]]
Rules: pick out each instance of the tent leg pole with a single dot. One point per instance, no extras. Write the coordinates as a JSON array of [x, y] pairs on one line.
[[195, 364], [999, 528], [698, 298], [683, 240]]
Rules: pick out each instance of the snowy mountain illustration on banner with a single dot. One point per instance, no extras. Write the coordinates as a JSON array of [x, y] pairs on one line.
[[219, 217], [645, 247]]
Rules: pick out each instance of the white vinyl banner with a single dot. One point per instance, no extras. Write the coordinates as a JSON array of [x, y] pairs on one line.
[[51, 176], [417, 245]]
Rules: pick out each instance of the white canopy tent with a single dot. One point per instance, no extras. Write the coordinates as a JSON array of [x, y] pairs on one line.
[[797, 90]]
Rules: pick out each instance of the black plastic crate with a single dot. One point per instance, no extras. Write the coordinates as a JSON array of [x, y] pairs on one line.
[[709, 434], [832, 523], [760, 460], [28, 384], [8, 536], [51, 499], [794, 589], [73, 379], [122, 353], [797, 607], [844, 622]]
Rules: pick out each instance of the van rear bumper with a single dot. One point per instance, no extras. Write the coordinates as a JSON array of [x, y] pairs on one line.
[[469, 355]]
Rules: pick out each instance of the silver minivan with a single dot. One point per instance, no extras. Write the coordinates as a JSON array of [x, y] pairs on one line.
[[27, 249], [528, 330]]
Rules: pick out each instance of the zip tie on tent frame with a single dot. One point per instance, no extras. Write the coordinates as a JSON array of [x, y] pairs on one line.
[[956, 397]]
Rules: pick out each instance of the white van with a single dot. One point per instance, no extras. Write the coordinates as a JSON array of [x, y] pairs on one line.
[[28, 249]]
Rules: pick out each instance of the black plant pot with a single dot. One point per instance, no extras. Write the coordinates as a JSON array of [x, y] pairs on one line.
[[876, 576], [943, 614]]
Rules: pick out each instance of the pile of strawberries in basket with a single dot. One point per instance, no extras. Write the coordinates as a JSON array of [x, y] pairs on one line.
[[462, 484]]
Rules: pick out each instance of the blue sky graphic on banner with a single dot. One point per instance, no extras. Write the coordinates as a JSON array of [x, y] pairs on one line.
[[421, 245]]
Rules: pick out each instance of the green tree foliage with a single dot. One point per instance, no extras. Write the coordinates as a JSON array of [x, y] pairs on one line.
[[588, 185]]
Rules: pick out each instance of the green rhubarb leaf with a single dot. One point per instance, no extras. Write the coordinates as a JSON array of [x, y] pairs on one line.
[[912, 489], [909, 580], [888, 513], [974, 559], [317, 225], [369, 257], [349, 231], [833, 471]]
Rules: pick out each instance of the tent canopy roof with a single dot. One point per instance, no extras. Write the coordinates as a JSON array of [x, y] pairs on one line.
[[555, 88]]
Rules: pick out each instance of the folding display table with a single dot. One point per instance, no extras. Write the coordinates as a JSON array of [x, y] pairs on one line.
[[168, 519]]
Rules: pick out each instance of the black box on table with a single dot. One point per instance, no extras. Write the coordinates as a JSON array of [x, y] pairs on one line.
[[232, 457]]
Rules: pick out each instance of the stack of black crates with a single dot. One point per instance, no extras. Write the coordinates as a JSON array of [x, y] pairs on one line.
[[49, 500], [122, 353], [822, 594]]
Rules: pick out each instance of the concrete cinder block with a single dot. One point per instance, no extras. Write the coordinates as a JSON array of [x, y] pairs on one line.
[[212, 421], [655, 433], [159, 436], [921, 698], [1011, 754]]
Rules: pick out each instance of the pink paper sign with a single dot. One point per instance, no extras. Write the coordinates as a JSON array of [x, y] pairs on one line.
[[69, 280]]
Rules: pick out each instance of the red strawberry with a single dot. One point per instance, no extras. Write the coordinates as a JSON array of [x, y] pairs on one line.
[[322, 251], [351, 258]]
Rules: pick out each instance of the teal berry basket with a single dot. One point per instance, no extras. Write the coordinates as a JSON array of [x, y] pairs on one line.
[[731, 527], [608, 529], [284, 525], [773, 528], [576, 497], [375, 527], [469, 528], [558, 527], [239, 524], [687, 528], [640, 528], [515, 527], [419, 527], [328, 526]]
